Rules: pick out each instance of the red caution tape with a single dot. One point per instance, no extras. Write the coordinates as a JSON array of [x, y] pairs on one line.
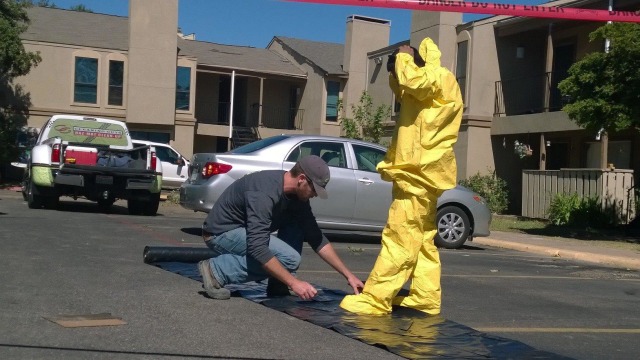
[[475, 7]]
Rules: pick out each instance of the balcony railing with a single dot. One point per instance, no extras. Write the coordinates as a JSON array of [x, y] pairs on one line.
[[277, 117], [528, 95], [272, 117]]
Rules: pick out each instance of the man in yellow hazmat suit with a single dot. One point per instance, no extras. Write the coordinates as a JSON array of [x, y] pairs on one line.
[[421, 164]]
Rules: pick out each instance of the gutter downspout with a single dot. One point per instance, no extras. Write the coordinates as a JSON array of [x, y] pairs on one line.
[[233, 85], [604, 138]]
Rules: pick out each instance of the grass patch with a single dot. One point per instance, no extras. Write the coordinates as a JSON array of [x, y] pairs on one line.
[[523, 225], [173, 197], [516, 223]]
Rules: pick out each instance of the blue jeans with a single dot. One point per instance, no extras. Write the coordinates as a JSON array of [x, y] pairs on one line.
[[231, 265]]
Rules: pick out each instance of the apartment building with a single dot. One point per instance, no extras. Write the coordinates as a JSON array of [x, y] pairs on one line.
[[196, 95], [202, 97], [508, 69]]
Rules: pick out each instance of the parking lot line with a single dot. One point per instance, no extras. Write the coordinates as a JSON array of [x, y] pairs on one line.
[[558, 330]]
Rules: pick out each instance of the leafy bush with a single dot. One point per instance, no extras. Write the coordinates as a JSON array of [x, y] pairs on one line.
[[492, 188], [562, 207], [571, 210]]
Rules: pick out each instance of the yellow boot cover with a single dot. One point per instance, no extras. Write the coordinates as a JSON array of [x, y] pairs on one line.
[[421, 163]]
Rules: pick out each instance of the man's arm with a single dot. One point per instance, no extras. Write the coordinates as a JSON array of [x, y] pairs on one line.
[[395, 87], [419, 82], [301, 288], [329, 255]]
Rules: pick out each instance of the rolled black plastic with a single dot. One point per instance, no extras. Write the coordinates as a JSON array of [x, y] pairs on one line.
[[156, 254]]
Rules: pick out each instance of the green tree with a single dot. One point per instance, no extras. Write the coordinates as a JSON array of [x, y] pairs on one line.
[[366, 123], [603, 89], [14, 61]]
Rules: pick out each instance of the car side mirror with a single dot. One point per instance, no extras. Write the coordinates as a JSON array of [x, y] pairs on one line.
[[180, 162]]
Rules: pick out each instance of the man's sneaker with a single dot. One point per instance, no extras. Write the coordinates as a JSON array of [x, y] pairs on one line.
[[276, 288], [210, 284]]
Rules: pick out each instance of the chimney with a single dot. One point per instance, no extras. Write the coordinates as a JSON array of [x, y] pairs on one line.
[[152, 57], [364, 34], [440, 26]]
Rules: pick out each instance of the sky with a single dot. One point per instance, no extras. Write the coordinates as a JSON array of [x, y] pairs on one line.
[[255, 22]]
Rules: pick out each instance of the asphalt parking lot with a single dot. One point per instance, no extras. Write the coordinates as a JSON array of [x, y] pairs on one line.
[[76, 260]]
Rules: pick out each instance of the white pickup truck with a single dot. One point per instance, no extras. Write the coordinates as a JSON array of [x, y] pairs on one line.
[[93, 158]]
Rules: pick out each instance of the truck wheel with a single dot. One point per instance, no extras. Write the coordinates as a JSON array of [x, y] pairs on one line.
[[105, 204], [453, 227], [150, 207], [134, 206], [50, 202], [33, 201], [25, 187]]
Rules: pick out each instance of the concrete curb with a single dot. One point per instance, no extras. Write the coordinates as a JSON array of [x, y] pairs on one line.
[[596, 258]]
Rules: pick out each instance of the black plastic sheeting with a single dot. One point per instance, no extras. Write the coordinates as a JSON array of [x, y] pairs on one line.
[[159, 254], [405, 332]]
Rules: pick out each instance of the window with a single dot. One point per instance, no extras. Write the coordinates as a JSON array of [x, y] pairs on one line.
[[367, 158], [461, 66], [116, 81], [331, 152], [167, 155], [183, 88], [86, 81], [333, 92], [158, 137]]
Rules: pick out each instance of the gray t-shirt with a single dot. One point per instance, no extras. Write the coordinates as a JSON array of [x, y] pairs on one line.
[[257, 202]]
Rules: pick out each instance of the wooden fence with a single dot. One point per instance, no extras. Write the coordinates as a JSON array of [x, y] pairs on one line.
[[615, 188]]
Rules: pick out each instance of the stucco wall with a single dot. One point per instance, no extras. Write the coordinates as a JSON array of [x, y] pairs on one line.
[[50, 85], [152, 62], [310, 93], [363, 35]]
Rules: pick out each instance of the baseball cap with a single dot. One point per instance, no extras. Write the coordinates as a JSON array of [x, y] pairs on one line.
[[316, 170]]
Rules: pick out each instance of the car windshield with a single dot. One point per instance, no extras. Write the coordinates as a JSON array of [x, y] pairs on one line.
[[258, 145]]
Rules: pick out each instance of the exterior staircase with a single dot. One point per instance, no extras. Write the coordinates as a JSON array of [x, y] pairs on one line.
[[243, 135]]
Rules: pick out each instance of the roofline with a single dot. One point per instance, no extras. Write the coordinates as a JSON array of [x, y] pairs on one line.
[[254, 71], [386, 49], [76, 11], [49, 43], [280, 41]]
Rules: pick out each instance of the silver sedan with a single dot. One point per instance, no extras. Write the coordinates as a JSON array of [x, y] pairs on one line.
[[358, 199]]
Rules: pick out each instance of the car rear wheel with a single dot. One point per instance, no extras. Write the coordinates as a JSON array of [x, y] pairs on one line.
[[453, 227]]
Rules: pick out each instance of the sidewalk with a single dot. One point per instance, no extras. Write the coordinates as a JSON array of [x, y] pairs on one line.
[[617, 254], [609, 253]]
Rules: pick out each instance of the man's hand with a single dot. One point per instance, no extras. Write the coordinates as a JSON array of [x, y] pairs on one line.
[[355, 284], [303, 289]]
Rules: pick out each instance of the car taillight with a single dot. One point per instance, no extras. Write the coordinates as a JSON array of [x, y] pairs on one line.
[[154, 160], [478, 198], [214, 168], [55, 153]]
